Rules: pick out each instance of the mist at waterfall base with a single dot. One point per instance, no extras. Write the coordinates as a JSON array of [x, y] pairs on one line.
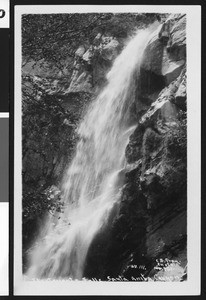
[[92, 184]]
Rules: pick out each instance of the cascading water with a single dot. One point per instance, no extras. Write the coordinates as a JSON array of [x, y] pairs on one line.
[[91, 184]]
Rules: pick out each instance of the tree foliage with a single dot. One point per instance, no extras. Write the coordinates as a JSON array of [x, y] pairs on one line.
[[55, 37], [48, 131]]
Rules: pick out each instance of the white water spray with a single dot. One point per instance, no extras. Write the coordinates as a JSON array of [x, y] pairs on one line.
[[91, 185]]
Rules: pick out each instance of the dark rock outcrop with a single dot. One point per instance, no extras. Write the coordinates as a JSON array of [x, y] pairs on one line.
[[167, 57], [148, 236], [147, 231], [158, 146]]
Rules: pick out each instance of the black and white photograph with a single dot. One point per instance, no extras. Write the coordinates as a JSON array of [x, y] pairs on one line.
[[103, 137]]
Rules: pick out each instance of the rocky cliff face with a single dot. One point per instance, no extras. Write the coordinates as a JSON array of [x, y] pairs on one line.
[[147, 231], [147, 238], [91, 65], [72, 93]]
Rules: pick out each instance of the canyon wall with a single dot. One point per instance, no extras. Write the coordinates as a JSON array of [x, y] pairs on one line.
[[149, 227]]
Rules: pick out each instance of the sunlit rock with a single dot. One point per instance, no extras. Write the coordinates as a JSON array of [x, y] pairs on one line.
[[167, 58]]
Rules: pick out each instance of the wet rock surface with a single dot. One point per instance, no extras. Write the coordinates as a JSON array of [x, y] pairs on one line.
[[148, 237], [147, 231], [167, 56]]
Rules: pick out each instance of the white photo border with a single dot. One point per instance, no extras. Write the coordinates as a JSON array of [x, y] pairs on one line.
[[63, 287]]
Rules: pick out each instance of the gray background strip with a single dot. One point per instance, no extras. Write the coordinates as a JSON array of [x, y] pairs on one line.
[[4, 159]]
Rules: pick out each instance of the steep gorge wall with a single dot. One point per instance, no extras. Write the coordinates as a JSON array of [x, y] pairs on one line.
[[150, 222], [149, 232]]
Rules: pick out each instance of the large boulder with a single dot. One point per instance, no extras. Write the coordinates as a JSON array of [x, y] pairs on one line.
[[163, 61], [166, 107], [165, 54]]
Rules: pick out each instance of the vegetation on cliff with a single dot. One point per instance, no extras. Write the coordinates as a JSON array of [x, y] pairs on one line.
[[57, 36]]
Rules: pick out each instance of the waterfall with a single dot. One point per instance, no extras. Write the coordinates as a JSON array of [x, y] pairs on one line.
[[92, 184]]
